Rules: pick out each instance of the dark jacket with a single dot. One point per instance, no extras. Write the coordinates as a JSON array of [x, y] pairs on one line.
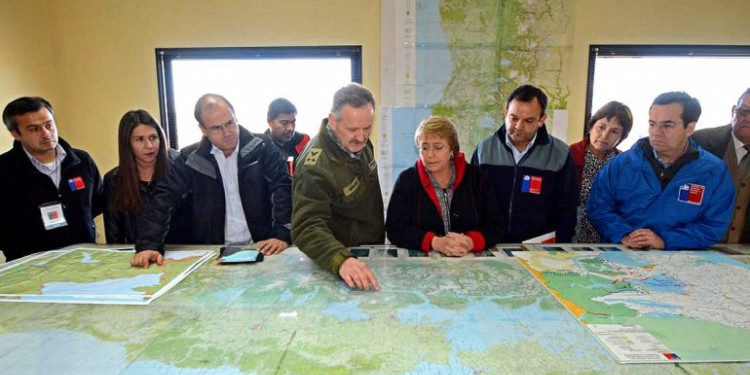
[[265, 192], [532, 212], [24, 189], [292, 148], [718, 141], [121, 226], [414, 217]]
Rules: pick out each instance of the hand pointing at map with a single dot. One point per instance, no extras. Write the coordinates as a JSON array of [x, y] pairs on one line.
[[146, 257]]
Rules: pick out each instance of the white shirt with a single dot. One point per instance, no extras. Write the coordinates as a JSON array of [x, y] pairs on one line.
[[517, 155], [52, 170], [739, 148], [236, 231]]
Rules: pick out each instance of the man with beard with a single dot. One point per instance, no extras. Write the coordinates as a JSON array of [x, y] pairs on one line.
[[533, 172], [51, 192]]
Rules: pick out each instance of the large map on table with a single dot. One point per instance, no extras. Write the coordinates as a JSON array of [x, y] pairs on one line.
[[288, 316], [653, 306], [100, 276]]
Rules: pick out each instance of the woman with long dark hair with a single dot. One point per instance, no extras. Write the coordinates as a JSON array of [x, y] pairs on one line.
[[143, 161]]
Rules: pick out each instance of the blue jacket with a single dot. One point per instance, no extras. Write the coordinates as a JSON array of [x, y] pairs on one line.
[[628, 195], [549, 203]]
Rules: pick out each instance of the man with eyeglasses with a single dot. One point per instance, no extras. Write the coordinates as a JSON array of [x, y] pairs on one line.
[[666, 192], [235, 183], [532, 171], [731, 144]]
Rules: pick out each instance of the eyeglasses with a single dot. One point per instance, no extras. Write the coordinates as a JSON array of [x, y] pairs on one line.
[[742, 112], [231, 124], [425, 149]]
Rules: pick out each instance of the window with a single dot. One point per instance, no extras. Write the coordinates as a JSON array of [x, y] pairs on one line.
[[250, 78], [635, 75]]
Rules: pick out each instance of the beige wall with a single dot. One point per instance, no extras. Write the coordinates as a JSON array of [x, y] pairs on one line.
[[106, 64], [95, 59], [648, 22], [29, 52]]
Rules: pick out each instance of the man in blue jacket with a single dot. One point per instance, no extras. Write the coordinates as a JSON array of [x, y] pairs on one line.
[[532, 171], [666, 192], [235, 183]]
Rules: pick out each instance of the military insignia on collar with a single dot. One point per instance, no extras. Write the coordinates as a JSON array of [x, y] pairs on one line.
[[373, 164], [313, 155], [352, 187]]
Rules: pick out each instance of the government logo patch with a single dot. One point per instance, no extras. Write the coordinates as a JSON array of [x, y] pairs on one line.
[[531, 184], [691, 193]]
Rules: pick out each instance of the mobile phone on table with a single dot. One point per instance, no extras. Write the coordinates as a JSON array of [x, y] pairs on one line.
[[240, 254]]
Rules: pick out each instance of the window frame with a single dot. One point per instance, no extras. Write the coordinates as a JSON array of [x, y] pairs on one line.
[[652, 50], [164, 57]]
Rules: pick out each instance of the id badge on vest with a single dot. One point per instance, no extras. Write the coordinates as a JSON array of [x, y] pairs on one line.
[[52, 215]]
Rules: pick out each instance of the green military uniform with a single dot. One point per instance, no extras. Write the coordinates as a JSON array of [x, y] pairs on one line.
[[336, 200]]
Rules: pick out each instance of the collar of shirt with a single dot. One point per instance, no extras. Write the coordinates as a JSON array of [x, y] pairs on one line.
[[666, 165], [216, 152], [739, 148], [52, 172], [517, 155]]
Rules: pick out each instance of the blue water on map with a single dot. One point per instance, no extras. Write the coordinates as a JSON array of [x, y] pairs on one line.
[[625, 258], [423, 313], [301, 300], [433, 58], [404, 152], [661, 283], [717, 258], [286, 296], [38, 352], [346, 311], [114, 286], [483, 324], [155, 367], [87, 258]]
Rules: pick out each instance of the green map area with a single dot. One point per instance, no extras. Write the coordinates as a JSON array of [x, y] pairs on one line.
[[496, 46], [693, 303], [92, 276], [287, 316]]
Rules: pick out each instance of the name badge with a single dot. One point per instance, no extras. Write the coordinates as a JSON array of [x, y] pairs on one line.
[[52, 215]]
